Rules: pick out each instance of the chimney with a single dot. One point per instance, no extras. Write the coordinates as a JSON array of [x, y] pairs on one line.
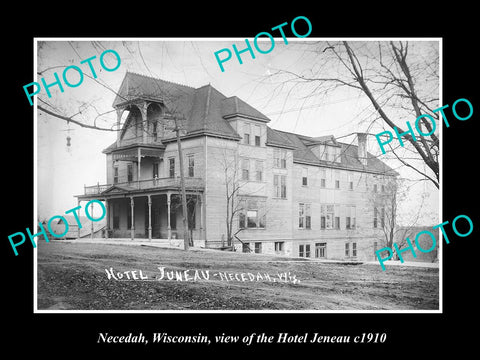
[[362, 148]]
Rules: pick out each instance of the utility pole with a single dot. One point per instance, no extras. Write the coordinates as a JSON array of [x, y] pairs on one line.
[[186, 241]]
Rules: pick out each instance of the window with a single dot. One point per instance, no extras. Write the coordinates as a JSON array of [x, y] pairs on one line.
[[320, 250], [130, 172], [337, 179], [383, 188], [382, 217], [191, 165], [354, 249], [325, 155], [155, 170], [304, 250], [337, 184], [258, 247], [375, 248], [280, 186], [280, 158], [307, 250], [323, 177], [338, 154], [304, 176], [304, 218], [246, 247], [115, 175], [351, 214], [347, 249], [241, 220], [252, 214], [171, 167], [258, 170], [337, 222], [350, 181], [375, 217], [245, 169], [256, 128], [246, 133], [327, 213], [374, 188], [279, 246]]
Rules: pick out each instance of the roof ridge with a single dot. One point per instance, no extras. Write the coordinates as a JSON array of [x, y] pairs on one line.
[[157, 78]]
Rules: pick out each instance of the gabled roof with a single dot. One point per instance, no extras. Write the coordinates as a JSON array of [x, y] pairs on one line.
[[206, 112], [118, 189], [302, 152]]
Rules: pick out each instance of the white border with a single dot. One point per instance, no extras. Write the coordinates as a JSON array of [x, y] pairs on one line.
[[35, 144]]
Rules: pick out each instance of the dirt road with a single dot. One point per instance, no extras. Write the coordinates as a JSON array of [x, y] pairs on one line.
[[75, 276]]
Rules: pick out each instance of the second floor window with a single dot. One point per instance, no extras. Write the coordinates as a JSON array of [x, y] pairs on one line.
[[351, 215], [258, 170], [171, 167], [115, 175], [245, 169], [280, 186], [327, 217], [155, 170], [191, 165], [280, 158], [130, 172]]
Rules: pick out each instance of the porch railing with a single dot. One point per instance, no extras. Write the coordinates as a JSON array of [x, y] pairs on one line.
[[190, 184]]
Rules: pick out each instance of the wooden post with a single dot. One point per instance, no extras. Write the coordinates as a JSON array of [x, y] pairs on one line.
[[186, 241], [78, 204], [107, 226], [132, 227], [139, 159], [169, 228], [149, 218]]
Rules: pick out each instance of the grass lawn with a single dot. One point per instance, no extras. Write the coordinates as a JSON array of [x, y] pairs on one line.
[[72, 276]]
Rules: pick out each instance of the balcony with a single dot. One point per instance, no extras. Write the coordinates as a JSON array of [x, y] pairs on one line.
[[191, 184]]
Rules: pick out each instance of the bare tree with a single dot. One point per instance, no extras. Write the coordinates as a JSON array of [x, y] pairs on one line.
[[386, 202], [400, 80]]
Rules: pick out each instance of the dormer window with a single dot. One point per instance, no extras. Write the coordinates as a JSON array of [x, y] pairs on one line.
[[330, 153]]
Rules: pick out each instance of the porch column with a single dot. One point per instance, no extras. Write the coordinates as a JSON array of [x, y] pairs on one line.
[[168, 217], [204, 216], [107, 226], [139, 159], [91, 233], [143, 111], [200, 205], [132, 228], [149, 218], [78, 228]]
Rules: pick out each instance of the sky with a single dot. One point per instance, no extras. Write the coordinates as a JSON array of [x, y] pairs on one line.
[[62, 171]]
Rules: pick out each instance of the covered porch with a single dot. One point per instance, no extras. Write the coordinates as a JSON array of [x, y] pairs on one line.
[[135, 214]]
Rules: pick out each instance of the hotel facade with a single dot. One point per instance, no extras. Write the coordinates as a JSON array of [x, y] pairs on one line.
[[277, 192]]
